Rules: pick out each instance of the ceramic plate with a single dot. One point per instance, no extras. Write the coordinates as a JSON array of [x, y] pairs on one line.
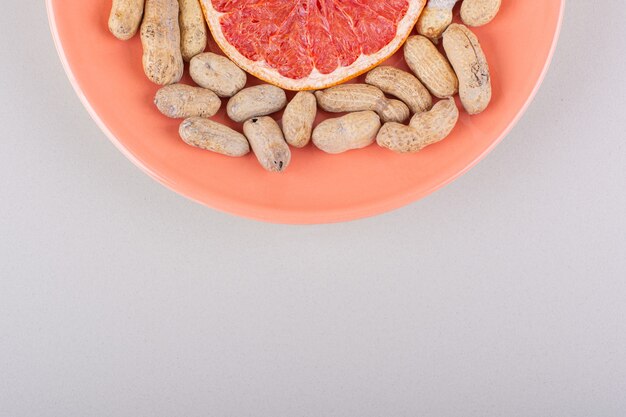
[[316, 188]]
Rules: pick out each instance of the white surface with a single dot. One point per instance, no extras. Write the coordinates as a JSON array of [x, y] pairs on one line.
[[504, 294]]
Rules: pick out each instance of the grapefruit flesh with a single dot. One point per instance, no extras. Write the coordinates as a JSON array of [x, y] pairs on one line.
[[310, 44]]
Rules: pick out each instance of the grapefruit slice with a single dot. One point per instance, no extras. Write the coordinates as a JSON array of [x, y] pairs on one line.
[[310, 44]]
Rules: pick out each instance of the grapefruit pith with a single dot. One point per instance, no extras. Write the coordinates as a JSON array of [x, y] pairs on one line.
[[310, 44]]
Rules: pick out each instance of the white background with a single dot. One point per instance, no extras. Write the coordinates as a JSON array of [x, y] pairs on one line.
[[504, 294]]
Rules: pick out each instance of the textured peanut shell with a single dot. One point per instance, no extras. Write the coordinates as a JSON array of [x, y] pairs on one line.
[[256, 101], [470, 65], [430, 67], [361, 97], [435, 18], [268, 143], [436, 124], [217, 73], [193, 31], [423, 130], [479, 12], [125, 18], [393, 111], [183, 101], [213, 136], [160, 37], [298, 119], [403, 85], [352, 131]]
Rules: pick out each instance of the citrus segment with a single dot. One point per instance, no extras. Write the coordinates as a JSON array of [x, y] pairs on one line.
[[310, 44]]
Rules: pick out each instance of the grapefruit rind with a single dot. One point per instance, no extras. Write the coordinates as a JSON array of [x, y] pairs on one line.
[[315, 80]]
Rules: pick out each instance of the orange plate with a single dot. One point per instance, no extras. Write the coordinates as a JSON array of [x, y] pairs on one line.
[[316, 188]]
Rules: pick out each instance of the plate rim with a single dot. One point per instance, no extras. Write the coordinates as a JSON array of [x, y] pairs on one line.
[[282, 216]]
